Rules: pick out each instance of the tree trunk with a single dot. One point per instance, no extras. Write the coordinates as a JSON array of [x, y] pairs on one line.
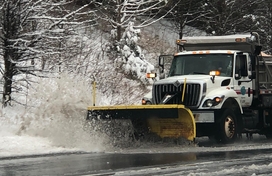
[[11, 24], [8, 75], [119, 16]]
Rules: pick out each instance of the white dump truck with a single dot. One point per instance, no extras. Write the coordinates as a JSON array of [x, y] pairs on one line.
[[217, 86]]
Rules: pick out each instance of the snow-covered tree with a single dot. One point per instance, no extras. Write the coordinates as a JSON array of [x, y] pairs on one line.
[[131, 58], [125, 18], [33, 33]]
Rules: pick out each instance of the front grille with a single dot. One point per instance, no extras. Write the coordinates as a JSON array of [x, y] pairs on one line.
[[191, 96]]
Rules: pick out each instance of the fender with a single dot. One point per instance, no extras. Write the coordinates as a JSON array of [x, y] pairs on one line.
[[225, 93]]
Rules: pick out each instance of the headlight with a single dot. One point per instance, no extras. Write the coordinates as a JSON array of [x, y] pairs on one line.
[[209, 103], [213, 102]]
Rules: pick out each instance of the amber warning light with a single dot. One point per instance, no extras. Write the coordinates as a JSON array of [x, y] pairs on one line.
[[179, 41], [151, 75], [240, 40], [214, 73]]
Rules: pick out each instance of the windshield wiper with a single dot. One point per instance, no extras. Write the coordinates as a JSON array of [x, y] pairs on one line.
[[198, 73]]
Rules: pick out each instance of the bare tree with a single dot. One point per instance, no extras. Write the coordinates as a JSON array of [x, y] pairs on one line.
[[232, 16], [185, 12], [262, 22], [120, 13], [36, 32], [226, 17]]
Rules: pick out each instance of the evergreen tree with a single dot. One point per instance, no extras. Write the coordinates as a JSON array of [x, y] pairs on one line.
[[131, 59]]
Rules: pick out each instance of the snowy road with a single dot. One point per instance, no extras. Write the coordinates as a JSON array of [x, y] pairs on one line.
[[197, 161]]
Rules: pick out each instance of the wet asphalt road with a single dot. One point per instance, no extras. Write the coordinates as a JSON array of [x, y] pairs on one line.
[[191, 163]]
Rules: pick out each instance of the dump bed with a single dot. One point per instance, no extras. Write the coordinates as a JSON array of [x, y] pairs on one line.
[[265, 72], [229, 42], [265, 80]]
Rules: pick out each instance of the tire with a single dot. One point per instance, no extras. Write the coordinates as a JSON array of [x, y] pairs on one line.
[[268, 130], [148, 103], [227, 127], [268, 133]]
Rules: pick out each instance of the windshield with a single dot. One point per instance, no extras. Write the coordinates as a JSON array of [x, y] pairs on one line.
[[201, 64]]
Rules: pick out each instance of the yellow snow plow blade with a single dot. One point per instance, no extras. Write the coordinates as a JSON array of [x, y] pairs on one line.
[[171, 121]]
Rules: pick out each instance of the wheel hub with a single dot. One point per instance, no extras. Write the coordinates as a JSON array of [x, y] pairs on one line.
[[229, 127]]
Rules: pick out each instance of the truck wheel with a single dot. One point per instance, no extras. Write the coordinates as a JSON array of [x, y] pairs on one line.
[[268, 133], [227, 127], [148, 103], [268, 130]]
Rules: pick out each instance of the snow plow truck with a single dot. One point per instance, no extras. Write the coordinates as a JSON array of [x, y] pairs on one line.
[[217, 86]]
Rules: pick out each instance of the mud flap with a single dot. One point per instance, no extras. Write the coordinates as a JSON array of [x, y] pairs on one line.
[[171, 121]]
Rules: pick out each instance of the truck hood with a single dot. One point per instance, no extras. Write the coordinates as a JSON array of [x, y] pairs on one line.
[[219, 81]]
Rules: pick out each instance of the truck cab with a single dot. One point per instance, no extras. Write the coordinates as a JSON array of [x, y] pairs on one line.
[[219, 79]]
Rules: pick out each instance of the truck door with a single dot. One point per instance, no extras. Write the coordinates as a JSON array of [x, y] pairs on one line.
[[242, 83]]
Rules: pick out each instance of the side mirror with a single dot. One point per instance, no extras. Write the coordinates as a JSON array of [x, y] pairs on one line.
[[240, 73], [162, 76], [253, 75], [241, 69], [257, 50], [244, 72], [161, 63]]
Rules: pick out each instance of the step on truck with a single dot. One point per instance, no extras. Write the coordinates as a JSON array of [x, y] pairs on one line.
[[217, 86]]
